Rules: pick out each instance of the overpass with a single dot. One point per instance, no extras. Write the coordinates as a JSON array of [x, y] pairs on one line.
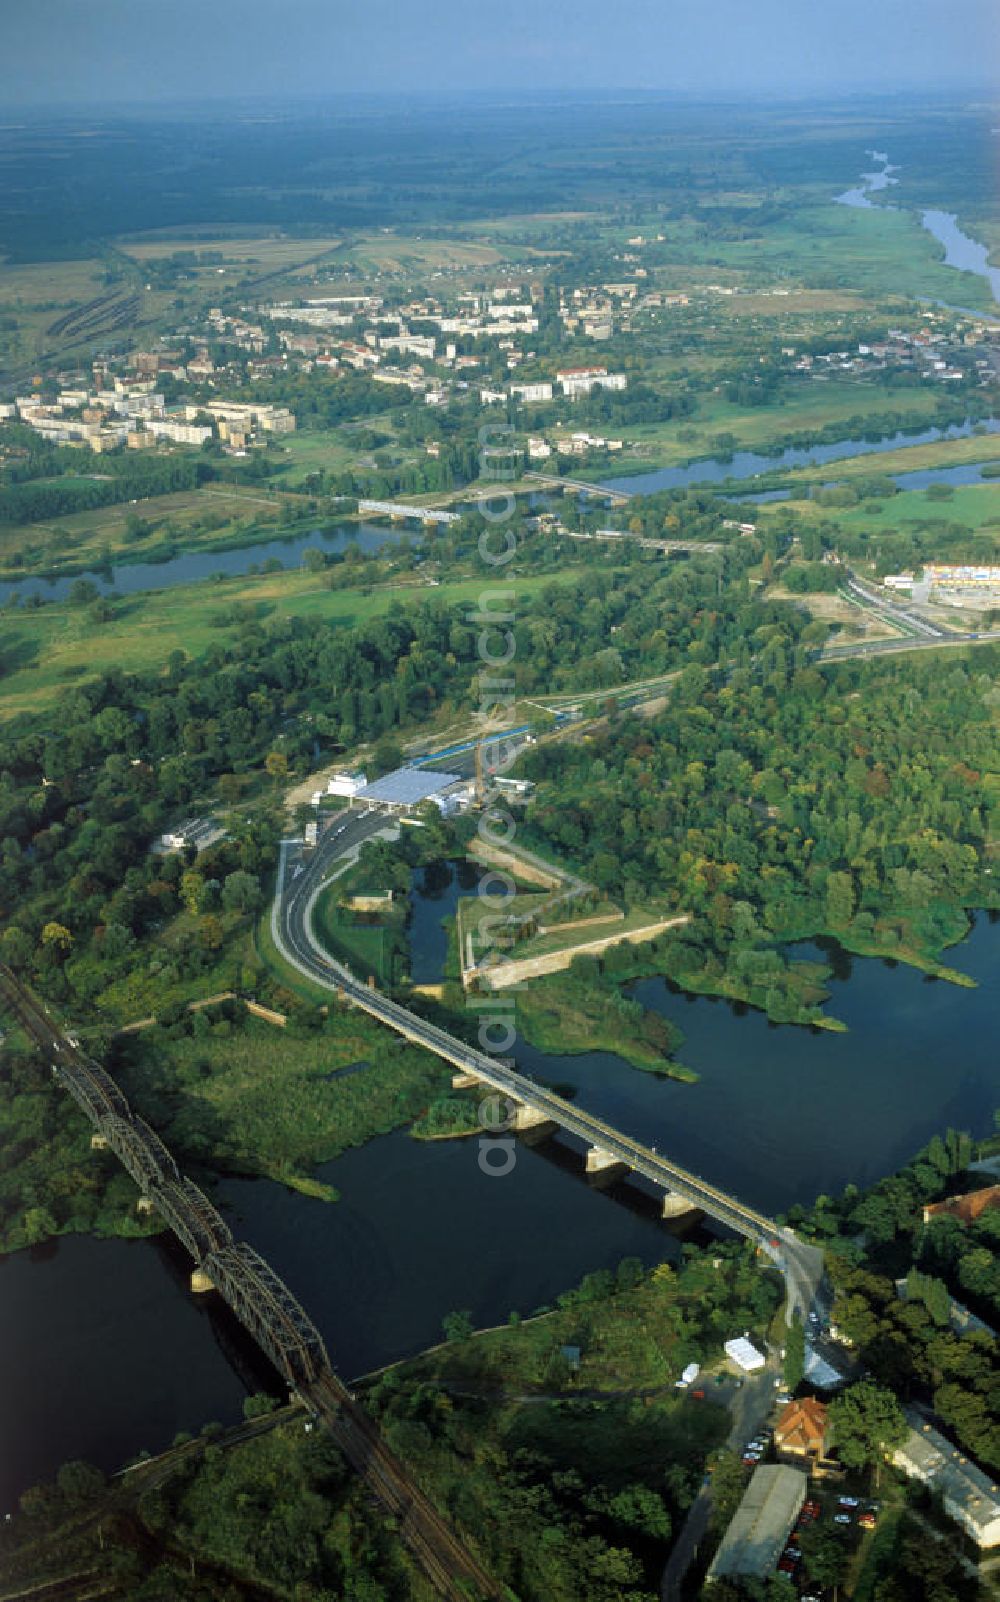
[[554, 481], [259, 1298], [399, 512], [533, 1106], [668, 547]]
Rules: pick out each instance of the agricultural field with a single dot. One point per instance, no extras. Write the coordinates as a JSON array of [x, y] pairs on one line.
[[35, 296], [395, 254], [273, 255]]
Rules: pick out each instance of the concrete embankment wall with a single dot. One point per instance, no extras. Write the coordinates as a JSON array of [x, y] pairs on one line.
[[514, 972]]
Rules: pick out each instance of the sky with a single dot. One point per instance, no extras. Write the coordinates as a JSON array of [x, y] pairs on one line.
[[104, 51]]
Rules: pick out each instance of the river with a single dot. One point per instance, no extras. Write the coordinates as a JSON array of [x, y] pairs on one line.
[[103, 1351], [188, 567], [744, 465], [961, 251]]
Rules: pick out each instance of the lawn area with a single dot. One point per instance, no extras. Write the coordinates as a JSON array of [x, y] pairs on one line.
[[43, 650], [973, 505], [313, 451], [366, 943]]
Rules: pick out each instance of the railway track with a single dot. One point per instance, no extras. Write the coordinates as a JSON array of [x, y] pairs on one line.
[[448, 1564], [262, 1303]]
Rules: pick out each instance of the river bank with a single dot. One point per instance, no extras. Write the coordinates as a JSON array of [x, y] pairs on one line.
[[778, 1114]]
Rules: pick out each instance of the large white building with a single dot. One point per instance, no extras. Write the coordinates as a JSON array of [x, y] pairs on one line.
[[576, 381], [530, 393], [968, 1495]]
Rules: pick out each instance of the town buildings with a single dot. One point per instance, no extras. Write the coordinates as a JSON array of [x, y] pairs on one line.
[[968, 1496]]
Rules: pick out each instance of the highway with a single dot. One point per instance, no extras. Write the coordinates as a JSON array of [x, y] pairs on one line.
[[300, 881]]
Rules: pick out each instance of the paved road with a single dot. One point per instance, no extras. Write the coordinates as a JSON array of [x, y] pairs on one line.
[[300, 880], [750, 1407]]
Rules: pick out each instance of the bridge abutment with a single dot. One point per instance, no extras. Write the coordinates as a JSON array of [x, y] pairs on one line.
[[201, 1282], [460, 1081]]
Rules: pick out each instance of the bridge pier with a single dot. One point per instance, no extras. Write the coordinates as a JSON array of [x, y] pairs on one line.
[[144, 1206], [675, 1206], [201, 1282], [526, 1117], [98, 1142], [600, 1161]]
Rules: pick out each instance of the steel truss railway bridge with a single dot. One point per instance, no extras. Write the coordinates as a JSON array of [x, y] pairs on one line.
[[259, 1298]]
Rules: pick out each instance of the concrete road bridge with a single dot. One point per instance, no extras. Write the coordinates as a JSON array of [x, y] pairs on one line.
[[530, 1106], [579, 486]]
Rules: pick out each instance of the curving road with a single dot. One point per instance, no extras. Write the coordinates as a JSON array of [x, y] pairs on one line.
[[300, 881]]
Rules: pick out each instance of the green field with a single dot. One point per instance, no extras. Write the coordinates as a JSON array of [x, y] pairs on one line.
[[216, 514], [44, 650], [809, 407], [908, 459], [973, 505], [876, 252]]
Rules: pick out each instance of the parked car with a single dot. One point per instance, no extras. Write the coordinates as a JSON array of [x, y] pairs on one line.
[[842, 1518], [867, 1521], [848, 1501]]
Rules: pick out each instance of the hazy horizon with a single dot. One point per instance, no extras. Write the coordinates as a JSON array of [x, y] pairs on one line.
[[68, 53]]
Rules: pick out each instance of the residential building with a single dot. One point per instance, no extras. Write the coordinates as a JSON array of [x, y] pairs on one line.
[[801, 1431], [968, 1495], [575, 381], [971, 1206], [532, 393]]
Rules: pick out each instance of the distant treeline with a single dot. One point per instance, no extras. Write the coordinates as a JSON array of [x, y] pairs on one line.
[[127, 480]]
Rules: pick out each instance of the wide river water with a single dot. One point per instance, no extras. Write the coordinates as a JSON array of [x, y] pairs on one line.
[[103, 1351], [190, 567]]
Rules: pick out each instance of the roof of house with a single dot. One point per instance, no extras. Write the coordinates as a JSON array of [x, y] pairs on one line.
[[759, 1528], [933, 1459], [801, 1426], [965, 1208]]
